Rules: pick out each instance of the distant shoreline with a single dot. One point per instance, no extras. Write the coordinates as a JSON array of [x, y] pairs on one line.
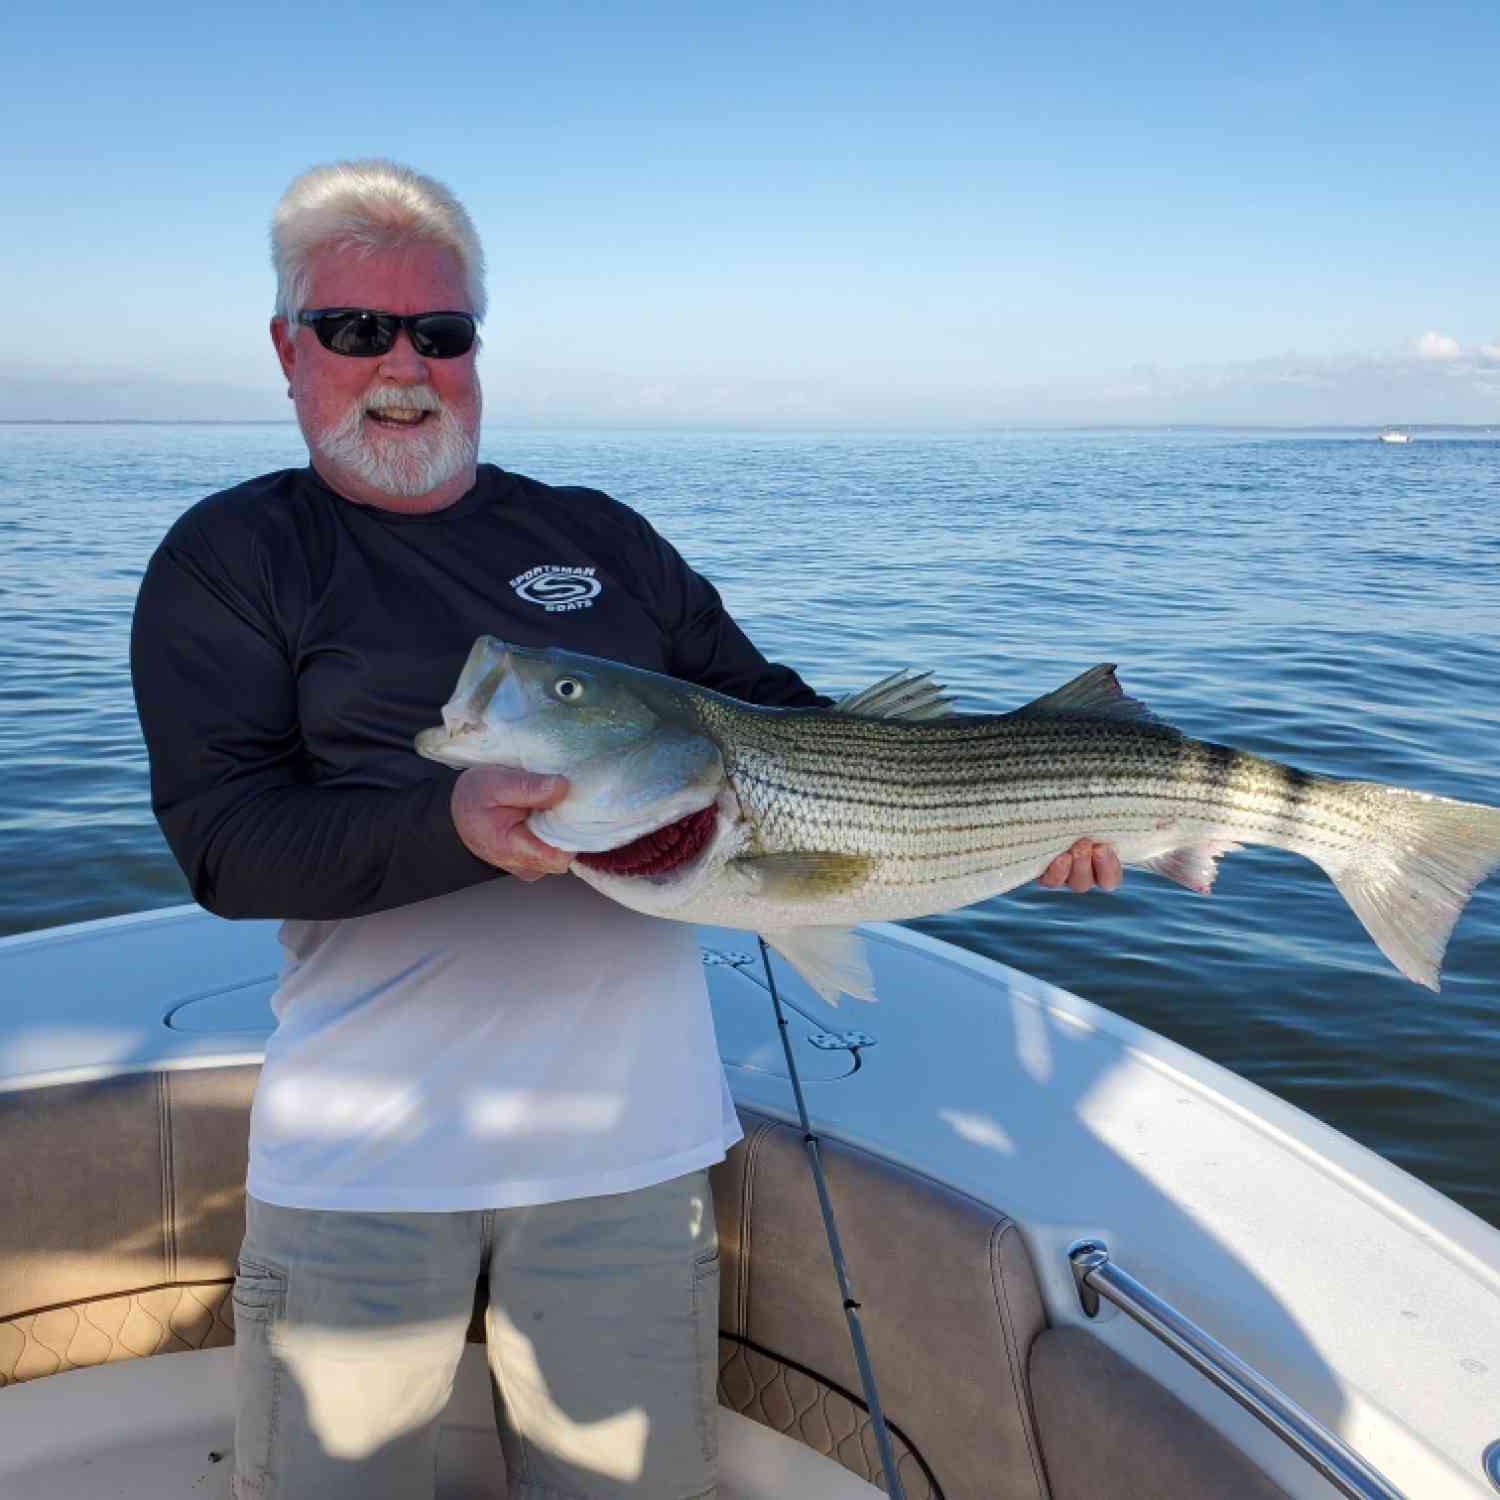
[[1480, 427]]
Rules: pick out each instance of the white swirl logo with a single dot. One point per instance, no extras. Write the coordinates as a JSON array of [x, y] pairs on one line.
[[558, 588]]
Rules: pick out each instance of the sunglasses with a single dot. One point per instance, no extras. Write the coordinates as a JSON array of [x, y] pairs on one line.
[[362, 333]]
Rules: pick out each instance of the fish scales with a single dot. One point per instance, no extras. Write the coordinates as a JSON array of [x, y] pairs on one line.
[[820, 819], [986, 789]]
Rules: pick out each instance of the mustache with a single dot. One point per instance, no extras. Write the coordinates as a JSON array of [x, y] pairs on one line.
[[401, 398]]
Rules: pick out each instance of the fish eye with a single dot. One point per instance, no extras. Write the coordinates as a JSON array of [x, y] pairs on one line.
[[569, 689]]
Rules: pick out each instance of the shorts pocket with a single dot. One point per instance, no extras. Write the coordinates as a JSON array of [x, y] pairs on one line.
[[706, 1334], [259, 1294], [259, 1303]]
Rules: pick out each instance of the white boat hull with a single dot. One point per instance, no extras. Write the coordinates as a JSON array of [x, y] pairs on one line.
[[1372, 1300]]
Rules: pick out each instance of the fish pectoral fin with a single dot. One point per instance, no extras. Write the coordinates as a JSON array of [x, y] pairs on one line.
[[1096, 692], [1194, 866], [831, 959], [804, 875], [902, 695]]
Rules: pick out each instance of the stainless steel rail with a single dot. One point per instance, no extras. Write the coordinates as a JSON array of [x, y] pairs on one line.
[[1098, 1276]]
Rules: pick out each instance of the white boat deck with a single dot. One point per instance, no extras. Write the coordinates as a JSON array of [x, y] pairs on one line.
[[163, 1429]]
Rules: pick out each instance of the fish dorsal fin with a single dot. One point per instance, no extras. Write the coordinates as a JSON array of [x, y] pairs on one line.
[[903, 695], [1094, 694], [831, 959]]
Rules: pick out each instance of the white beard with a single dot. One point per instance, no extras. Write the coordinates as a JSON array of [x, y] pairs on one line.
[[401, 467]]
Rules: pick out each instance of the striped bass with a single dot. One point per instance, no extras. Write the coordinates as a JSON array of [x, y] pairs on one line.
[[800, 823]]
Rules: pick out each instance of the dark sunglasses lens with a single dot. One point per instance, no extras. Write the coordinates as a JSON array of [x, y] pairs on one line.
[[442, 335], [357, 333]]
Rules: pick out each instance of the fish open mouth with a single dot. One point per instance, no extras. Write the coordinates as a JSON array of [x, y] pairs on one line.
[[657, 852]]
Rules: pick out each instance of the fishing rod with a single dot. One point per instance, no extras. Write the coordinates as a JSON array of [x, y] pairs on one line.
[[831, 1229]]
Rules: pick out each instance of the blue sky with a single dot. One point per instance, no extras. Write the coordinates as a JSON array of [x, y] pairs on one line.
[[812, 215]]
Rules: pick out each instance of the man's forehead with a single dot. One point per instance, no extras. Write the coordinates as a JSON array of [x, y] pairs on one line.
[[345, 275]]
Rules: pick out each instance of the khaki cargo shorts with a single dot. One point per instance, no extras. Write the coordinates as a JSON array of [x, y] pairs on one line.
[[602, 1334]]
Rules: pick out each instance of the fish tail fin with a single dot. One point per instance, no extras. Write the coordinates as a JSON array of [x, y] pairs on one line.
[[1410, 883]]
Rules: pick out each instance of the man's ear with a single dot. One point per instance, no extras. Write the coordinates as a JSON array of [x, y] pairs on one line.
[[286, 346]]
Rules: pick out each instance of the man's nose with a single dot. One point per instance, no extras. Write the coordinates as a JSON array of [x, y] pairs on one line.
[[402, 362]]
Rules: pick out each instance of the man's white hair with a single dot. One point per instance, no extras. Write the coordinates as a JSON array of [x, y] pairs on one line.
[[363, 207]]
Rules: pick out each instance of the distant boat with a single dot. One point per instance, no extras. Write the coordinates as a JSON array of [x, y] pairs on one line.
[[1394, 435]]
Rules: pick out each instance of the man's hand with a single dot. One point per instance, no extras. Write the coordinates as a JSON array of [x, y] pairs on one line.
[[489, 806], [1084, 866]]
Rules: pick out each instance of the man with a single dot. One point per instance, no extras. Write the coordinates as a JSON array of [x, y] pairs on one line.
[[470, 1076]]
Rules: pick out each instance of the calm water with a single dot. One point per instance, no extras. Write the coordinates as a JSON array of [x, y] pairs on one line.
[[1321, 598]]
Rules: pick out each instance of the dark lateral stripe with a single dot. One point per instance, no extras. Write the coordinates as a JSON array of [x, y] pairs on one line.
[[1012, 813]]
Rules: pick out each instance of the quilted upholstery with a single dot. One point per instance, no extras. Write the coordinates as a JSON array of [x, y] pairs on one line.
[[799, 1405], [164, 1320]]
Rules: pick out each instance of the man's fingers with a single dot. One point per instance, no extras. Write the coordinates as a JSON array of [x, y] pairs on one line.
[[490, 805], [1081, 876], [1108, 871], [527, 848], [1083, 866], [514, 848], [505, 786]]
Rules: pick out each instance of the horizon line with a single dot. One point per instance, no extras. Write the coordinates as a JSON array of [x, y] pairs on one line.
[[723, 427]]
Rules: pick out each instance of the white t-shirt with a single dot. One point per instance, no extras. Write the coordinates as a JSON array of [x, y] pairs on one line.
[[508, 1044]]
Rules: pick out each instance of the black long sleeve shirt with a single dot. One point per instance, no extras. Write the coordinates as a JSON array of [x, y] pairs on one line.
[[288, 644]]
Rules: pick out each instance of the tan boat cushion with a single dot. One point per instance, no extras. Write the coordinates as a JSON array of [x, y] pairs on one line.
[[103, 1330], [950, 1306], [121, 1213], [124, 1205], [1112, 1433], [117, 1187]]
